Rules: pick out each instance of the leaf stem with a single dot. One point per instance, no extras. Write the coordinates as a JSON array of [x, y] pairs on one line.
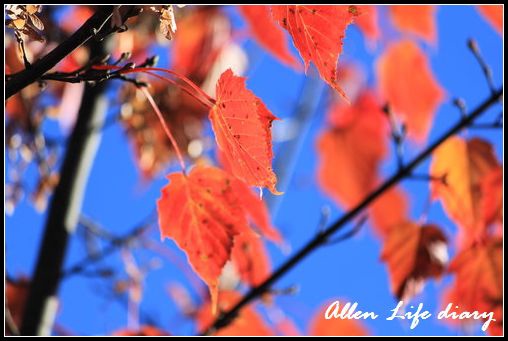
[[165, 127], [206, 100], [186, 81]]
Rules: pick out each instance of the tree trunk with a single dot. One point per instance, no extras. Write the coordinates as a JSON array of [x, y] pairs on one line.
[[42, 302]]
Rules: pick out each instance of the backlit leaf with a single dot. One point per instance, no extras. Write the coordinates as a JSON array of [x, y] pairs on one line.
[[367, 21], [419, 20], [199, 40], [352, 149], [207, 214], [465, 164], [494, 15], [267, 33], [203, 212], [317, 33], [478, 281], [407, 84], [241, 123], [413, 253]]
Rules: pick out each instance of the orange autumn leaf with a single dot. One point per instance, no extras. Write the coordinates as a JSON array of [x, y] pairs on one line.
[[478, 281], [348, 167], [320, 326], [200, 37], [247, 323], [258, 212], [367, 21], [388, 211], [407, 84], [145, 330], [494, 15], [413, 253], [317, 33], [417, 20], [250, 258], [242, 123], [465, 164], [267, 33], [203, 212]]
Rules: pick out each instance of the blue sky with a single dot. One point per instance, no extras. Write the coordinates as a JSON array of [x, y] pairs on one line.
[[116, 197]]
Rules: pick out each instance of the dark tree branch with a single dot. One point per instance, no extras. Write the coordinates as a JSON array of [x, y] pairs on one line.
[[88, 30], [226, 317], [63, 213]]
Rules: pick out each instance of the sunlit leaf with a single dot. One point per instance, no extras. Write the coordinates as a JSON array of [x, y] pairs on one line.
[[414, 253], [408, 85], [267, 33], [241, 123], [318, 32]]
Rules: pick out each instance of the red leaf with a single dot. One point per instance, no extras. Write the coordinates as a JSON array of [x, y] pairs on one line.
[[478, 283], [408, 85], [257, 211], [348, 167], [465, 164], [247, 323], [199, 39], [317, 33], [494, 15], [320, 326], [203, 213], [241, 124], [417, 20], [367, 21], [413, 253], [266, 33]]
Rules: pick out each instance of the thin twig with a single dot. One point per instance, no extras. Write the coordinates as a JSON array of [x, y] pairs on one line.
[[398, 135], [115, 244], [487, 71], [460, 104]]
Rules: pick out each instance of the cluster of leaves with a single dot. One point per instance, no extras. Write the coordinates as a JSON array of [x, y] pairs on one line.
[[206, 211], [211, 212], [465, 175]]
